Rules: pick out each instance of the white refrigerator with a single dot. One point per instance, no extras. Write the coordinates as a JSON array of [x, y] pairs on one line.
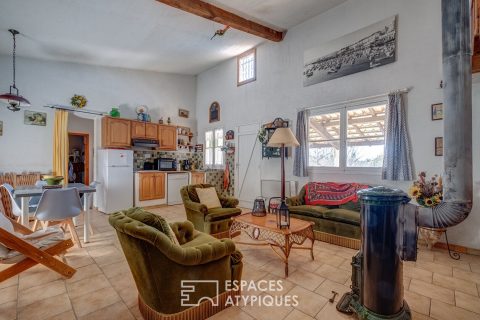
[[115, 174]]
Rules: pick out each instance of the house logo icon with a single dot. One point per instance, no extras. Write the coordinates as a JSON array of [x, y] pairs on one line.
[[190, 287]]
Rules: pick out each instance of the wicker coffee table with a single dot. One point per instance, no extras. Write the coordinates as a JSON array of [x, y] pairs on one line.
[[265, 229]]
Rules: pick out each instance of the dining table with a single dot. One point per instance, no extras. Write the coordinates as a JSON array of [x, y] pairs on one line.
[[24, 193]]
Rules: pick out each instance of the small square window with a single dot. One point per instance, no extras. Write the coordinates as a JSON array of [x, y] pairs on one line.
[[247, 67]]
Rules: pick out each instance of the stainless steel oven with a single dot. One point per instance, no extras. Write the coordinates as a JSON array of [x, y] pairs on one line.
[[166, 164]]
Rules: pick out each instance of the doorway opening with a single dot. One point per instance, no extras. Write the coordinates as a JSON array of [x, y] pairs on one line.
[[79, 157]]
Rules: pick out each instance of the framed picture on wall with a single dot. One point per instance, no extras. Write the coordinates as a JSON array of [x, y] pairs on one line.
[[439, 146], [35, 118], [183, 113], [437, 111], [214, 112], [1, 128]]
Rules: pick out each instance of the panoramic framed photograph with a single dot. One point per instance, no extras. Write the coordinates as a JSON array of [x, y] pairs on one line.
[[364, 49], [439, 146], [437, 111], [183, 113], [35, 118]]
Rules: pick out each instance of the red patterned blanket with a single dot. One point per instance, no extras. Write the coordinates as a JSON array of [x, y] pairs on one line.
[[331, 193]]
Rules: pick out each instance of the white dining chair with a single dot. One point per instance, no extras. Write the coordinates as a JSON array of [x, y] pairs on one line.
[[59, 206], [33, 203]]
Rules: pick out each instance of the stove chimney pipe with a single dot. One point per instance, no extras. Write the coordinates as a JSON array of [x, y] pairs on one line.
[[457, 96]]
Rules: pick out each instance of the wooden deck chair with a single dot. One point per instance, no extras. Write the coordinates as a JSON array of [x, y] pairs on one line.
[[23, 249]]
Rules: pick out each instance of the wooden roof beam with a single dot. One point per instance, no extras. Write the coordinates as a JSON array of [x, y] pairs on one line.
[[211, 12]]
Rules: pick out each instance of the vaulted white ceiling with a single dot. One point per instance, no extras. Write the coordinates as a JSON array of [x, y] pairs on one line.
[[140, 34]]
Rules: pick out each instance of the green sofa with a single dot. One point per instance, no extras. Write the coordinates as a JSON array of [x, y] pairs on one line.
[[215, 222], [159, 265], [338, 225]]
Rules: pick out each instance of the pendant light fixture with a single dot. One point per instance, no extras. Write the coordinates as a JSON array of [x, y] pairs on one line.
[[13, 98]]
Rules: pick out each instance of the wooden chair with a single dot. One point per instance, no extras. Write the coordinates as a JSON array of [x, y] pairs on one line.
[[6, 202], [27, 252]]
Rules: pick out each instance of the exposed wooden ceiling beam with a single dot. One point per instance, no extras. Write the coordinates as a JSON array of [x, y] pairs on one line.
[[211, 12]]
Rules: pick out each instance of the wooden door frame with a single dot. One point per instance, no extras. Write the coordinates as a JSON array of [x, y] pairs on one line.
[[86, 144]]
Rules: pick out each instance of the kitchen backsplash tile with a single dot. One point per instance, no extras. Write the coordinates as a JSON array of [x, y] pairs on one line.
[[142, 156]]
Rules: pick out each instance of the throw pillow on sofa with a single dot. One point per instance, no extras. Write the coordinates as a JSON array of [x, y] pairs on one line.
[[209, 197]]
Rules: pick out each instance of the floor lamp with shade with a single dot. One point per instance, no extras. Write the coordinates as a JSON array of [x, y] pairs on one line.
[[283, 137]]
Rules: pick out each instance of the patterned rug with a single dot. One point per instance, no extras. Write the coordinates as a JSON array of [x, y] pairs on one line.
[[331, 193]]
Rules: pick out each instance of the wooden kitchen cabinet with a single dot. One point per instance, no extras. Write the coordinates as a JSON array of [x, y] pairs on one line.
[[138, 130], [144, 130], [198, 177], [167, 137], [152, 186], [151, 130], [116, 133]]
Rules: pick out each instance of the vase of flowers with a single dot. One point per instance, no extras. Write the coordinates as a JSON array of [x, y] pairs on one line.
[[427, 193], [78, 101]]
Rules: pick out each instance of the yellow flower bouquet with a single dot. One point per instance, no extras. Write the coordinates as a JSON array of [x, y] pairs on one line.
[[78, 101], [427, 193]]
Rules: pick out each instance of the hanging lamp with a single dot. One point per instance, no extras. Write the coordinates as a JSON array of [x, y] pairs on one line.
[[13, 98]]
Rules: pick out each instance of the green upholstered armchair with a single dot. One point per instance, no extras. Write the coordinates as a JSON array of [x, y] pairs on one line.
[[215, 222], [159, 265]]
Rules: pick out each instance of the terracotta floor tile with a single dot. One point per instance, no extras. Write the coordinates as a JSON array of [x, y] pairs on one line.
[[435, 267], [326, 288], [432, 291], [417, 302], [444, 311], [298, 315], [68, 315], [38, 276], [419, 316], [115, 269], [455, 283], [232, 313], [13, 281], [87, 271], [34, 294], [417, 273], [117, 311], [87, 285], [45, 308], [333, 273], [94, 301], [308, 302], [8, 294], [309, 281], [467, 302], [261, 311], [8, 310], [466, 275], [329, 312]]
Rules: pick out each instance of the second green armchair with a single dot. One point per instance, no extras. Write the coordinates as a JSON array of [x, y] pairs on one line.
[[215, 222]]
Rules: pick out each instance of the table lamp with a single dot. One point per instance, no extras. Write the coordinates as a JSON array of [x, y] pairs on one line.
[[283, 137]]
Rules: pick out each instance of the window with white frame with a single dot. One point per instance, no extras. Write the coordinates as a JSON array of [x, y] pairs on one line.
[[246, 67], [213, 148], [347, 136]]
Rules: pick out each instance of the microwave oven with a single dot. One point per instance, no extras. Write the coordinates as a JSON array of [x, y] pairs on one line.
[[166, 164]]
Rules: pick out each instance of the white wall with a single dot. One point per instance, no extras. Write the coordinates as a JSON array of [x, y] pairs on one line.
[[25, 147], [279, 92]]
